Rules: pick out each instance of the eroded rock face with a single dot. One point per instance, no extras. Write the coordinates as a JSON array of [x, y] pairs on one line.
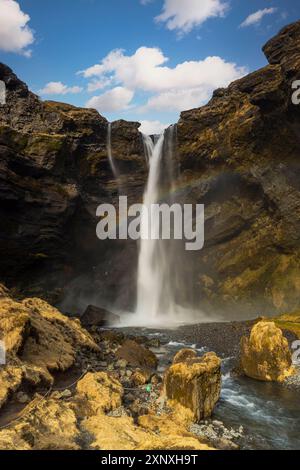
[[239, 155], [38, 340], [194, 385], [265, 355], [54, 173]]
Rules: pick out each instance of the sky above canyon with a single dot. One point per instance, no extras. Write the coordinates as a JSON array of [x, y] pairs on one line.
[[140, 60]]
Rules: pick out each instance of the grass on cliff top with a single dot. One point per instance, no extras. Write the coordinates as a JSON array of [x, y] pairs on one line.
[[290, 322]]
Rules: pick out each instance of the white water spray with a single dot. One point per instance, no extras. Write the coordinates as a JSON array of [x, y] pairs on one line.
[[155, 301], [109, 153]]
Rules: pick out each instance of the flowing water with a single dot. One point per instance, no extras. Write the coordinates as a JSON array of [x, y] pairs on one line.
[[110, 154], [268, 412], [155, 298]]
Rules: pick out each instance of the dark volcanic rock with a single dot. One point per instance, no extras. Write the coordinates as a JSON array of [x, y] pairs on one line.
[[239, 155], [54, 172], [97, 316]]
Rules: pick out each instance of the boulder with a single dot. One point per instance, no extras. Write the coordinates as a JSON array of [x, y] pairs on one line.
[[194, 386], [183, 355], [99, 393], [265, 355], [98, 316], [39, 340], [137, 355]]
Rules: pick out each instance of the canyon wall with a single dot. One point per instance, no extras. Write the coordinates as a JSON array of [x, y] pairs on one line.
[[239, 155]]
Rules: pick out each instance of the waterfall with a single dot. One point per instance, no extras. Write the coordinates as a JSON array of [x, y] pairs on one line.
[[155, 299], [109, 152]]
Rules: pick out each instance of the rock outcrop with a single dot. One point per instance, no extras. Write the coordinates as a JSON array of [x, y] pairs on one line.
[[193, 386], [39, 341], [54, 173], [265, 355], [239, 155]]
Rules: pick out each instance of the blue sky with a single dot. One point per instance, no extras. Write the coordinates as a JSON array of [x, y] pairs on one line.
[[142, 60]]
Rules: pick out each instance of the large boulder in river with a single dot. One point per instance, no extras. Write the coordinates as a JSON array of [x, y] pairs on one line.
[[194, 385], [265, 355], [98, 316]]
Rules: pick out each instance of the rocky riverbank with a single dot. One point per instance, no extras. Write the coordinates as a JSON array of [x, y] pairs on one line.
[[66, 387]]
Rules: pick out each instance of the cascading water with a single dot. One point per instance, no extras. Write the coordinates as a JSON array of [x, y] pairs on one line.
[[155, 299], [109, 153]]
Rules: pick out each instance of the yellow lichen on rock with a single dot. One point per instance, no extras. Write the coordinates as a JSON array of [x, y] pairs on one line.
[[100, 393], [194, 385], [183, 355], [265, 355], [45, 424], [122, 434], [10, 380], [38, 340]]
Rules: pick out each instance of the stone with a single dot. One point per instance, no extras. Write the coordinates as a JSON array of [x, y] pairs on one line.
[[137, 355], [99, 392], [45, 425], [121, 364], [265, 355], [40, 340], [194, 386], [140, 377], [98, 316], [183, 355]]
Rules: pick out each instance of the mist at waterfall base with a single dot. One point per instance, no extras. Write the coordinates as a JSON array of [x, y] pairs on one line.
[[161, 285], [162, 278]]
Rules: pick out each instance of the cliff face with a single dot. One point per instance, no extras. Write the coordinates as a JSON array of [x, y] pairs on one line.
[[54, 172], [239, 155]]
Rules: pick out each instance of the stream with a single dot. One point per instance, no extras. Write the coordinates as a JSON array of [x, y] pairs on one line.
[[268, 412]]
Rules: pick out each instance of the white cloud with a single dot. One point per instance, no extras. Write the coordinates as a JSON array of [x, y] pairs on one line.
[[117, 99], [99, 84], [184, 15], [152, 127], [255, 18], [58, 88], [177, 100], [146, 70], [15, 34], [185, 86]]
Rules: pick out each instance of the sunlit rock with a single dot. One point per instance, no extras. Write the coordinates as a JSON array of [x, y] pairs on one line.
[[265, 355], [194, 385], [99, 393]]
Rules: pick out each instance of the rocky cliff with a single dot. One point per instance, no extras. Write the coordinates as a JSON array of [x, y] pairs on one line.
[[54, 172], [239, 155]]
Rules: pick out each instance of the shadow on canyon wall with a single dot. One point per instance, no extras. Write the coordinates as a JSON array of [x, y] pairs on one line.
[[239, 155]]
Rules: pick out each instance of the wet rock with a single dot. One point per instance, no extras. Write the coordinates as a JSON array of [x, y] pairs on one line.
[[265, 355], [194, 386], [97, 316], [137, 355]]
